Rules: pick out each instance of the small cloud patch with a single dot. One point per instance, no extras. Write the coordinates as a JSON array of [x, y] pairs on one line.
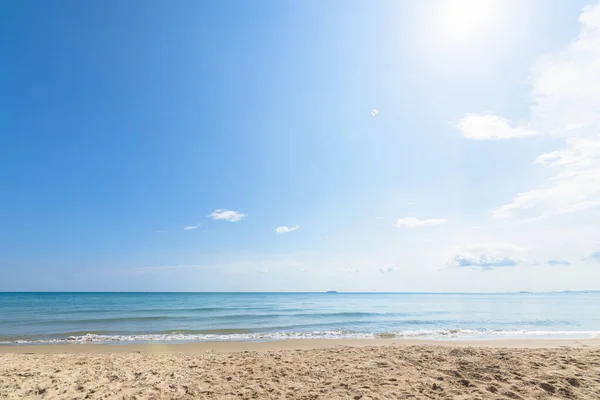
[[286, 229], [226, 215], [484, 261], [489, 256], [558, 262]]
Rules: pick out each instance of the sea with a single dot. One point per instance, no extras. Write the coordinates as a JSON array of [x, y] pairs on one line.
[[44, 318]]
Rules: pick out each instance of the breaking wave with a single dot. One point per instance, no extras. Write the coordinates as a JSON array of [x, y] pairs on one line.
[[216, 336]]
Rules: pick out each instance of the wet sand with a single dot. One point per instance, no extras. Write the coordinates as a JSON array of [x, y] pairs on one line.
[[305, 369], [299, 344]]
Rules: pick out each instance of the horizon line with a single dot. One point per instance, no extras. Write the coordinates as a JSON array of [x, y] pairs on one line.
[[295, 292]]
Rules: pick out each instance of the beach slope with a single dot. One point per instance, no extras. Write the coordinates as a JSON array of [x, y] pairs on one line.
[[385, 371]]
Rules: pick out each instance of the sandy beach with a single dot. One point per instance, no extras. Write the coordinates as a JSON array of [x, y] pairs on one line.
[[309, 369]]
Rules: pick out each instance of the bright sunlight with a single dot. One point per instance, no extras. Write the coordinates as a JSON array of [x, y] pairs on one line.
[[465, 21]]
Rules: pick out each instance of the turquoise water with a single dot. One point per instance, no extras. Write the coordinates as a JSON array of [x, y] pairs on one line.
[[177, 317]]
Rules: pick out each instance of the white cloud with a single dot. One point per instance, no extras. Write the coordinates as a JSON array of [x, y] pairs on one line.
[[490, 127], [565, 84], [566, 103], [226, 215], [595, 256], [387, 270], [412, 222], [374, 112], [489, 256], [302, 269], [575, 185], [264, 270], [286, 229], [189, 228]]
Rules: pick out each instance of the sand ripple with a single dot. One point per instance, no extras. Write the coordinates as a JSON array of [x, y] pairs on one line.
[[383, 372]]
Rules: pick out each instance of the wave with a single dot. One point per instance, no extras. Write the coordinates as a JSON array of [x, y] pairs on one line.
[[206, 336], [223, 318], [94, 320], [102, 310]]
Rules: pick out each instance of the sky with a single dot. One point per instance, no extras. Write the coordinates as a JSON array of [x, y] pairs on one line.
[[440, 145]]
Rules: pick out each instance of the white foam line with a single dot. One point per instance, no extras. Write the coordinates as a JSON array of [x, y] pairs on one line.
[[415, 334]]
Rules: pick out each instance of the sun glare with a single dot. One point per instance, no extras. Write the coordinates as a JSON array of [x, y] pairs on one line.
[[464, 20]]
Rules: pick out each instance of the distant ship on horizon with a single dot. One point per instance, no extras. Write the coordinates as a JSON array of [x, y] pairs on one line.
[[331, 291]]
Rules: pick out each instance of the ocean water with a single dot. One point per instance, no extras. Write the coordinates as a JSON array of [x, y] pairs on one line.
[[183, 317]]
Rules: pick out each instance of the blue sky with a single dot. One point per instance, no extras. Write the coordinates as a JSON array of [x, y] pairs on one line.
[[443, 145]]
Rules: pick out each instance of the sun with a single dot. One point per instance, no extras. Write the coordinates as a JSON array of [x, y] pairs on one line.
[[463, 21]]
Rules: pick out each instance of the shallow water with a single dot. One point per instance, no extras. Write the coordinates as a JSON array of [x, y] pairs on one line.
[[142, 317]]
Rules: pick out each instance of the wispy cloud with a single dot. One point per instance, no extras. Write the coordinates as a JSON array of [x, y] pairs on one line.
[[558, 262], [354, 270], [189, 228], [484, 261], [575, 187], [286, 229], [264, 270], [226, 215], [412, 222], [387, 270], [595, 256], [490, 127], [489, 256], [374, 112], [565, 103]]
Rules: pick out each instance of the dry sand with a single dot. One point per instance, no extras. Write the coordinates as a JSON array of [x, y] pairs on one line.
[[305, 370]]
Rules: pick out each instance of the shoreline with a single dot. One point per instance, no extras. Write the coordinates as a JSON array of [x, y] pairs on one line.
[[289, 344]]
